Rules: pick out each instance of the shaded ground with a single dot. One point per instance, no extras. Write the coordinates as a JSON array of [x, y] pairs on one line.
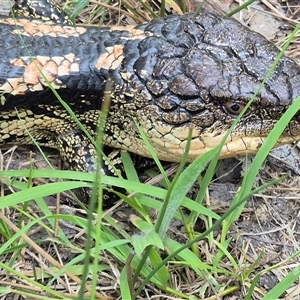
[[270, 221]]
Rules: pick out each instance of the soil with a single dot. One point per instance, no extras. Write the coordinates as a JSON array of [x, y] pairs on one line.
[[269, 223]]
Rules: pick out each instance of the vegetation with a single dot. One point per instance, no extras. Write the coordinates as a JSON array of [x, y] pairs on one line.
[[87, 253]]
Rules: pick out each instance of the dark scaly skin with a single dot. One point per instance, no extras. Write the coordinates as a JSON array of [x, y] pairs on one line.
[[47, 10], [172, 74]]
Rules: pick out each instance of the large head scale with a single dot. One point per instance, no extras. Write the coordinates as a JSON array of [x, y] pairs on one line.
[[198, 72]]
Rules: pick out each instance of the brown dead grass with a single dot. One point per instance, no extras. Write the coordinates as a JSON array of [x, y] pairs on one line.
[[269, 224]]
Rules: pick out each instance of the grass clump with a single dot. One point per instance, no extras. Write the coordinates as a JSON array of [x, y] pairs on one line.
[[89, 254]]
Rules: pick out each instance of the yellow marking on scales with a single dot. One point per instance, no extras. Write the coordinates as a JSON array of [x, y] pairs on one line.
[[40, 28], [38, 72], [35, 124], [28, 27], [111, 59], [113, 56]]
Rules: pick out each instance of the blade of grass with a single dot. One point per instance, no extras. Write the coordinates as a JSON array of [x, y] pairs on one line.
[[166, 213], [283, 285], [152, 152], [39, 191], [201, 236], [78, 8], [239, 8], [125, 290], [250, 180], [182, 185], [259, 158]]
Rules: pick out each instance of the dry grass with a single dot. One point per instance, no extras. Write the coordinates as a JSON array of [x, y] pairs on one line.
[[269, 224]]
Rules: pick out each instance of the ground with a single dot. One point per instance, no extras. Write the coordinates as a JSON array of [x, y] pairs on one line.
[[269, 223]]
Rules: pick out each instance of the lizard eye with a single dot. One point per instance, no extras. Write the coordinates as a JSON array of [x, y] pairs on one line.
[[234, 108]]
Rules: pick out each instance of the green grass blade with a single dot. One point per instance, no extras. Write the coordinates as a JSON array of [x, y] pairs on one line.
[[39, 191], [283, 285], [124, 286], [259, 158], [148, 237], [163, 273], [241, 7], [78, 8], [182, 186]]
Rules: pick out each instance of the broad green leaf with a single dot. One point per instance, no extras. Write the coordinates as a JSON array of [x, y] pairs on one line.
[[146, 238]]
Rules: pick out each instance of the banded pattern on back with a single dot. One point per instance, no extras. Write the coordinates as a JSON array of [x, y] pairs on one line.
[[171, 75]]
